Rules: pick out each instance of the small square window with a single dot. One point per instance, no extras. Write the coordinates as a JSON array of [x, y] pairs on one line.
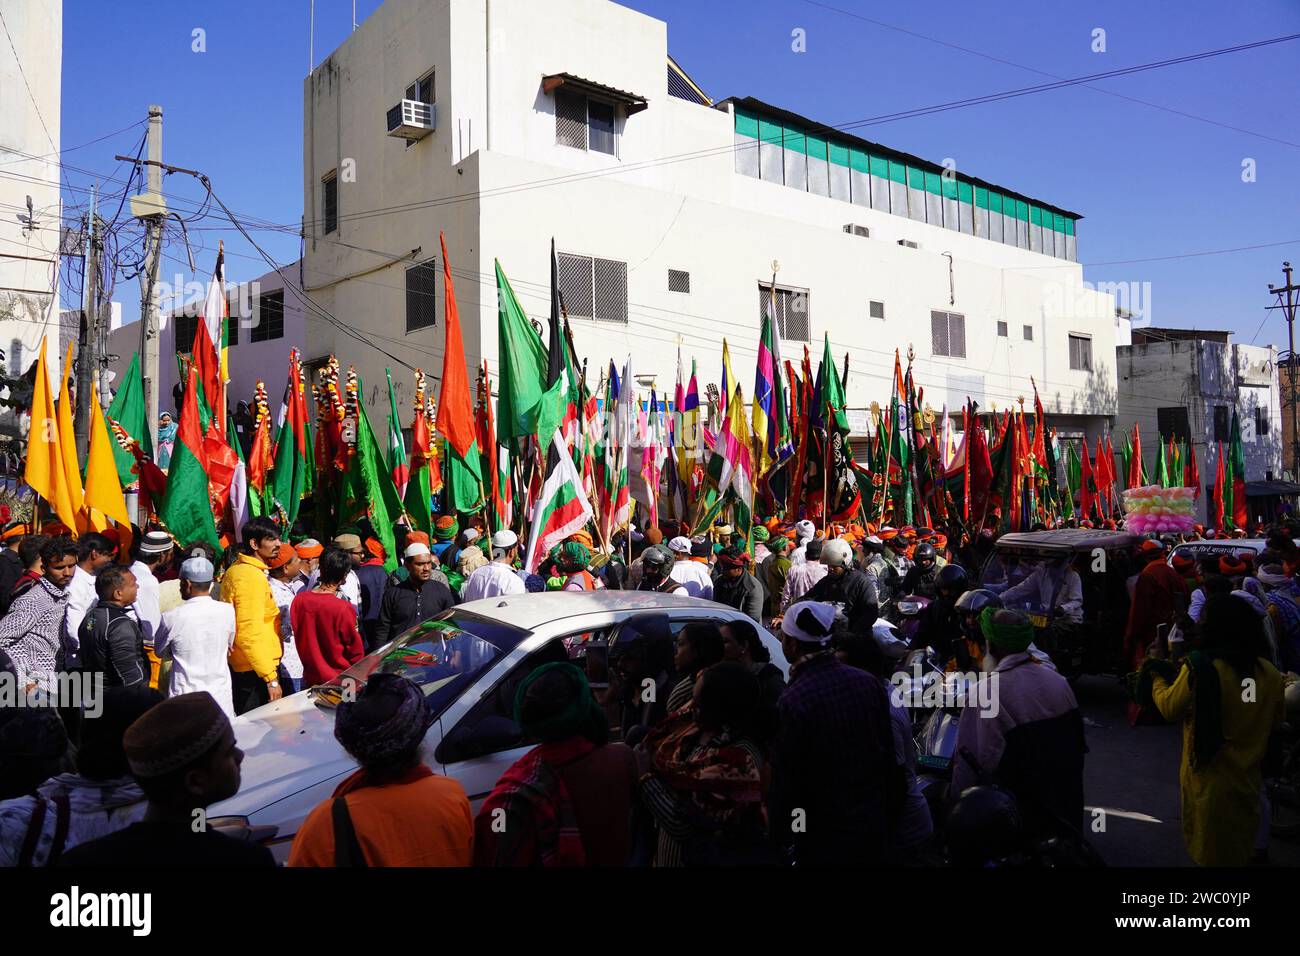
[[1002, 330], [877, 309], [948, 334], [270, 318], [679, 280], [421, 296], [1029, 333]]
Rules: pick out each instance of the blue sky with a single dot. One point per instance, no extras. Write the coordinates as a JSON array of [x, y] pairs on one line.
[[1150, 183]]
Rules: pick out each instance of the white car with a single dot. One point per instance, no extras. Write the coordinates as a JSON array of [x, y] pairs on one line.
[[468, 663]]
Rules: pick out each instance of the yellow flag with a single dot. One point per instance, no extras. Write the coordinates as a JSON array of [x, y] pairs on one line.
[[103, 487], [67, 450], [44, 472]]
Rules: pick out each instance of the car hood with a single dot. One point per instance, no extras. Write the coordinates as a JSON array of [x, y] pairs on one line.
[[288, 746]]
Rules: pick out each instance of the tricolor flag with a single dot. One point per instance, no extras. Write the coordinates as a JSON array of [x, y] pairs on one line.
[[562, 509], [397, 461], [291, 474]]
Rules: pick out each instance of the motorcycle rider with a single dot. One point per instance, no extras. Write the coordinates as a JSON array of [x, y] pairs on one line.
[[656, 563], [924, 573], [883, 574], [941, 626], [969, 653], [844, 584], [1053, 586], [1034, 745]]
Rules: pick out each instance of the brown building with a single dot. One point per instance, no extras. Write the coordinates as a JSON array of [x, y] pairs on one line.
[[1286, 370]]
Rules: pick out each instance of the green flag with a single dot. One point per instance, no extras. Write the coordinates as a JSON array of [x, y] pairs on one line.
[[367, 489], [522, 377], [128, 411], [291, 471], [185, 507], [1162, 463]]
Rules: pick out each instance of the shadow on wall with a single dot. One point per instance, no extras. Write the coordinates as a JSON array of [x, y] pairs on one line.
[[1098, 396]]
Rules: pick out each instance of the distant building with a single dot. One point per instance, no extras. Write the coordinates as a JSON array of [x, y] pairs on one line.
[[1185, 384], [266, 322], [1286, 372]]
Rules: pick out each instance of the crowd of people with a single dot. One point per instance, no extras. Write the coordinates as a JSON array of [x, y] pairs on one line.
[[696, 748]]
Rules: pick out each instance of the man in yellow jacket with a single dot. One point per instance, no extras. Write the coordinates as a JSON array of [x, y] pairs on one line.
[[255, 658]]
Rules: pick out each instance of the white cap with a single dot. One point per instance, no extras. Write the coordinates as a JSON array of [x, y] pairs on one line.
[[415, 549], [805, 530], [471, 534], [874, 539], [505, 539], [198, 570], [809, 621], [680, 545]]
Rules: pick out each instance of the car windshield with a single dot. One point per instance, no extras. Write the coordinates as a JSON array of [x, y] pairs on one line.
[[442, 657]]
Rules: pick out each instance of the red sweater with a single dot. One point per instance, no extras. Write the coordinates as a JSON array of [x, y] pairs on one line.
[[325, 633]]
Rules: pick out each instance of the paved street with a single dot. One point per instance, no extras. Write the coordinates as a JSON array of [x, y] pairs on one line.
[[1132, 772]]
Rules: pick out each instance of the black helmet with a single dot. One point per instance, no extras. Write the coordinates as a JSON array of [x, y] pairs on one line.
[[923, 552], [655, 558], [975, 601], [951, 577], [982, 826]]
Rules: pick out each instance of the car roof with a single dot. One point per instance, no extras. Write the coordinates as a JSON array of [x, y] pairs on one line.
[[1223, 544], [1068, 539], [529, 611]]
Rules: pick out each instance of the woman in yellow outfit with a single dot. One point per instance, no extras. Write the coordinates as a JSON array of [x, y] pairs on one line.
[[1229, 699]]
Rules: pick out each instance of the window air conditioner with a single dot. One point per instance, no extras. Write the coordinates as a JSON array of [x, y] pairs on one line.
[[411, 119]]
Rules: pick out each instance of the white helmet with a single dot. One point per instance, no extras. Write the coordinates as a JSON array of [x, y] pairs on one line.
[[837, 554]]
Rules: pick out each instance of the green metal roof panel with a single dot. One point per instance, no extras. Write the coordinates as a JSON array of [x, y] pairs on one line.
[[769, 132], [964, 192], [817, 147], [897, 172], [839, 155], [932, 183], [858, 159], [879, 166], [949, 186], [796, 140], [747, 124], [915, 177], [981, 197], [995, 202], [1022, 211]]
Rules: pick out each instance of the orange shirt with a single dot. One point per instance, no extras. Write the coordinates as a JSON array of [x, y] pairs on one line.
[[422, 819]]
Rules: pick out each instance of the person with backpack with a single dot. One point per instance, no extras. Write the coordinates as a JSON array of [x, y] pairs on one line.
[[394, 810]]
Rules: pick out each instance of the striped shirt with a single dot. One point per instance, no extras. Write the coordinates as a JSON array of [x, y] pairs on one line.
[[32, 634]]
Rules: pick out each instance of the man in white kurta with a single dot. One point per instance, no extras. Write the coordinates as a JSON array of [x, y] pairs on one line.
[[691, 575], [197, 637], [498, 577]]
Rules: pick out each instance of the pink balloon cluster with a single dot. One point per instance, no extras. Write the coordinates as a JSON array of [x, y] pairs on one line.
[[1153, 509]]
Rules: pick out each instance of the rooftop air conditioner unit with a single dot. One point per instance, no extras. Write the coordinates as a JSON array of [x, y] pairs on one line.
[[909, 243], [856, 230], [411, 119]]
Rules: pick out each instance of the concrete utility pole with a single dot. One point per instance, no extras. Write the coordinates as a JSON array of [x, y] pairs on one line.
[[1288, 307], [88, 338], [152, 210]]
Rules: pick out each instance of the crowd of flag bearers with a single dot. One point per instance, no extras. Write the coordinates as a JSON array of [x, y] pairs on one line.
[[268, 556]]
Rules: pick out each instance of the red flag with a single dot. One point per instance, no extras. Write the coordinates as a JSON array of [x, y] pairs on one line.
[[1086, 482], [455, 408], [979, 467], [259, 456], [487, 442], [1101, 478], [1191, 474], [1135, 462], [208, 366]]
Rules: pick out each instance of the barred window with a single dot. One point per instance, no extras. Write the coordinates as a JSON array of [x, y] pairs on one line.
[[948, 334], [877, 309], [1029, 333], [679, 280], [421, 296], [592, 288], [185, 326], [330, 203], [1172, 422], [1081, 353], [584, 123], [793, 320], [1002, 330], [270, 318]]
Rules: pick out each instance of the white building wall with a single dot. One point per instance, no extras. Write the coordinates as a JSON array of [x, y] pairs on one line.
[[29, 127], [670, 199]]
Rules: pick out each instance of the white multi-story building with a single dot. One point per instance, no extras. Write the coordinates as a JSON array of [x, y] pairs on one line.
[[1185, 384], [504, 123], [31, 60]]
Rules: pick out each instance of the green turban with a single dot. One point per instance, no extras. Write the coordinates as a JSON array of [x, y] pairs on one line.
[[1012, 634], [574, 556], [761, 534], [580, 715], [778, 544]]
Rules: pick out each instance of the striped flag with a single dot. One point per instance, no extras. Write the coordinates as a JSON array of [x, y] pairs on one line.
[[731, 467], [397, 461], [562, 509]]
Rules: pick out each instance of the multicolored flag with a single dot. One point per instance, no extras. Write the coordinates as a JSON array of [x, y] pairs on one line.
[[127, 411], [291, 472], [1234, 507], [424, 460], [186, 508]]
